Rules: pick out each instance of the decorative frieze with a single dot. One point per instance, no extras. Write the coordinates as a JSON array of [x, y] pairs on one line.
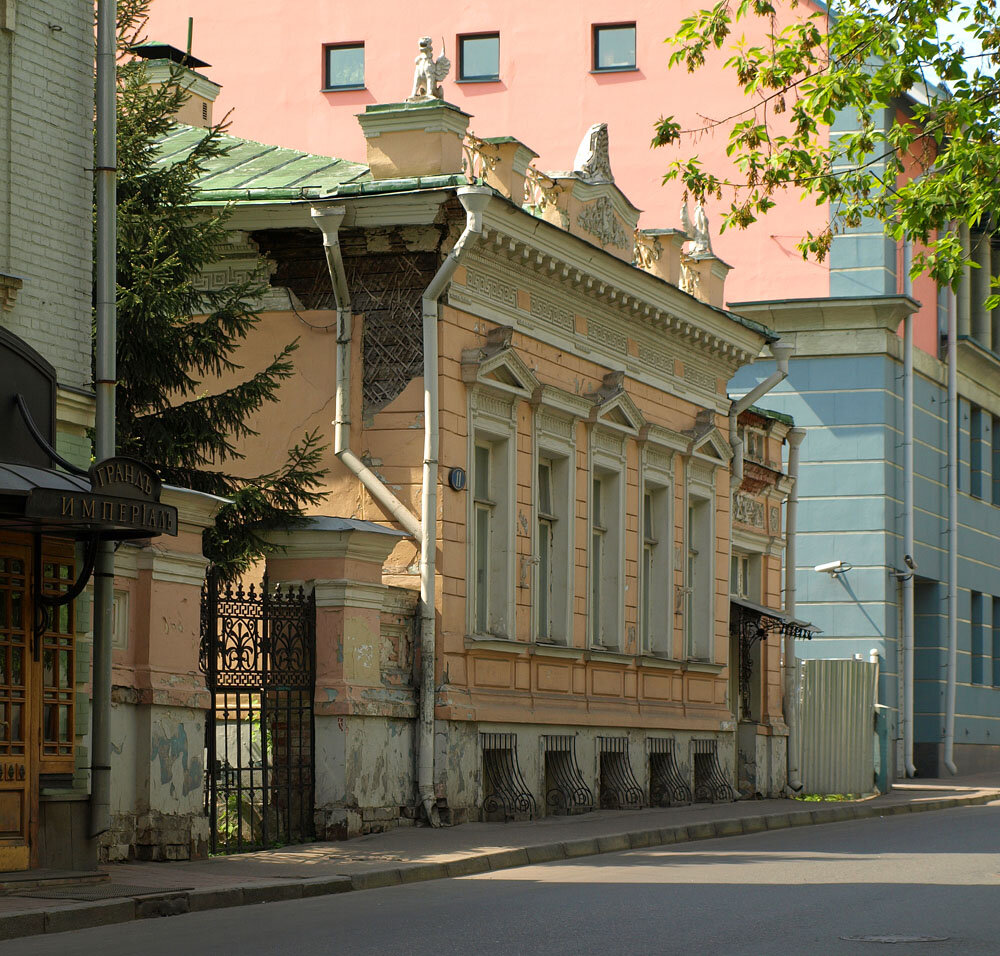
[[491, 288], [747, 510], [699, 378], [606, 336], [550, 312], [555, 425]]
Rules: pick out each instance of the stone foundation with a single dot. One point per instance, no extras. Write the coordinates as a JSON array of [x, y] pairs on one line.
[[154, 836]]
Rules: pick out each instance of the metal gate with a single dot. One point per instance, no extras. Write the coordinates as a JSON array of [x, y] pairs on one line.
[[258, 653]]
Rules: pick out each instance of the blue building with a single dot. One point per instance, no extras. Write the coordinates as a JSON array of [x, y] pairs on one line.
[[847, 388]]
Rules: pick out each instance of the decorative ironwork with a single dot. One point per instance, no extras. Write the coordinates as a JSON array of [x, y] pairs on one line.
[[258, 653], [565, 789], [751, 624], [667, 786], [710, 783], [480, 158], [504, 786], [619, 789]]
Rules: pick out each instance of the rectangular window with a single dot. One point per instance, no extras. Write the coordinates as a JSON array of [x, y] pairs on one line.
[[546, 526], [995, 456], [479, 58], [58, 672], [344, 66], [975, 451], [977, 643], [484, 508], [699, 617], [614, 47], [996, 642], [739, 576], [655, 621], [606, 572]]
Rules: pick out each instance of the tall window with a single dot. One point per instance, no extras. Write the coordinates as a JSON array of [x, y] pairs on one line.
[[606, 585], [655, 621], [995, 676], [58, 673], [546, 528], [484, 508], [699, 614], [978, 640], [479, 58], [995, 456], [614, 47], [975, 451], [739, 575], [344, 66], [598, 561]]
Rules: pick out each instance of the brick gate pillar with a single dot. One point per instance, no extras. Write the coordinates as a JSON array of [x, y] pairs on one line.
[[341, 560]]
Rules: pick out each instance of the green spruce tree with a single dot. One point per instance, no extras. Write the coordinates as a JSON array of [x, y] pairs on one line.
[[175, 338]]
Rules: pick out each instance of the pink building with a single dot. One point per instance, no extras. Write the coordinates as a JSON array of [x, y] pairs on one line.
[[542, 75]]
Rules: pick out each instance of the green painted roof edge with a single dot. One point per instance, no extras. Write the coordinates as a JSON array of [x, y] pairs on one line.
[[769, 413]]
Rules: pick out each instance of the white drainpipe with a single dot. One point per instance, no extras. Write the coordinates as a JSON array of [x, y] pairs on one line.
[[908, 546], [474, 199], [781, 353], [329, 219], [795, 438], [949, 714]]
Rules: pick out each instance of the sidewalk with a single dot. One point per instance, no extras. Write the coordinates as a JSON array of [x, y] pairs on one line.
[[413, 854]]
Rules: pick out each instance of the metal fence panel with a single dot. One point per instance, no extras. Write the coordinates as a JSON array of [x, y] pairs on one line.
[[837, 726]]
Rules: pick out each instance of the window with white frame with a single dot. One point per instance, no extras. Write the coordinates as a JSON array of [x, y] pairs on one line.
[[554, 581], [744, 576], [606, 572], [655, 585], [491, 539], [699, 617]]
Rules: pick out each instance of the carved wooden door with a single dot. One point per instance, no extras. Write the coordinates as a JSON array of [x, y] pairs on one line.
[[18, 731]]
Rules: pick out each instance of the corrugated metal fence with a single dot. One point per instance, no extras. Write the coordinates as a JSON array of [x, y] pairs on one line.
[[837, 714]]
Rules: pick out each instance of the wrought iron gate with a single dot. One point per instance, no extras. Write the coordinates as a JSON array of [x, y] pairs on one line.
[[258, 653]]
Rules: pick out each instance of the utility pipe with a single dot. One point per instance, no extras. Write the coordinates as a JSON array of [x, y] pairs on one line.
[[781, 354], [949, 707], [104, 423], [795, 437], [908, 537], [329, 220], [475, 200]]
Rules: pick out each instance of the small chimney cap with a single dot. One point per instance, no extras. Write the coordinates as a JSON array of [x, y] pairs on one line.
[[155, 50]]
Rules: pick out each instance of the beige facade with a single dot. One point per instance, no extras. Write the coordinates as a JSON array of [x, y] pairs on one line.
[[585, 529]]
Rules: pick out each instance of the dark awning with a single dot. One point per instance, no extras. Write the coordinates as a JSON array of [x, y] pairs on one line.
[[46, 501], [772, 620]]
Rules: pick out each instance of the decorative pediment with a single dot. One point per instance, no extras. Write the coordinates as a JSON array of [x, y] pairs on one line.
[[709, 444], [497, 365], [613, 407]]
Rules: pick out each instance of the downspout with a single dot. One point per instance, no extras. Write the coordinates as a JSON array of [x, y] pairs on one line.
[[329, 219], [795, 438], [949, 716], [781, 353], [474, 199], [908, 546], [105, 365]]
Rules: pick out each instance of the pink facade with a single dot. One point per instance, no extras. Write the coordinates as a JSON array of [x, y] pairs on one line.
[[269, 60]]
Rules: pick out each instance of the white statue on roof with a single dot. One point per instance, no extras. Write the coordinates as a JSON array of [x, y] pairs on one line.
[[697, 232], [592, 163], [428, 72]]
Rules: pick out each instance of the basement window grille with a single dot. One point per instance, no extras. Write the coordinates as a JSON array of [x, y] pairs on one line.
[[667, 786], [619, 789], [506, 795], [710, 783], [565, 789]]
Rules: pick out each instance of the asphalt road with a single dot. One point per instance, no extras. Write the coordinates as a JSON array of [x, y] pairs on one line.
[[798, 891]]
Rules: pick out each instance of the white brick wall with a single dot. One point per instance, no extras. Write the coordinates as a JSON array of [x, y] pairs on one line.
[[46, 179]]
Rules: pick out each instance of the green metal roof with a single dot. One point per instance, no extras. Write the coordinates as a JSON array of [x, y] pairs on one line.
[[252, 170]]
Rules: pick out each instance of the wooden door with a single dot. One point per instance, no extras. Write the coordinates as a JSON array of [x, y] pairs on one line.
[[18, 728]]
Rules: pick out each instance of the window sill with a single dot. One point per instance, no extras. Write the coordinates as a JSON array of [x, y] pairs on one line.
[[703, 667], [666, 663], [615, 69], [608, 656], [479, 79], [555, 650], [498, 644], [342, 89]]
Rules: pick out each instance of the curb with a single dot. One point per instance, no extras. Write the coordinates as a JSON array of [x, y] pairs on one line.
[[81, 915]]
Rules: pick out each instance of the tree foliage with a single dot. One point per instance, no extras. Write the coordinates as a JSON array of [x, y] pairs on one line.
[[174, 335], [920, 150]]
